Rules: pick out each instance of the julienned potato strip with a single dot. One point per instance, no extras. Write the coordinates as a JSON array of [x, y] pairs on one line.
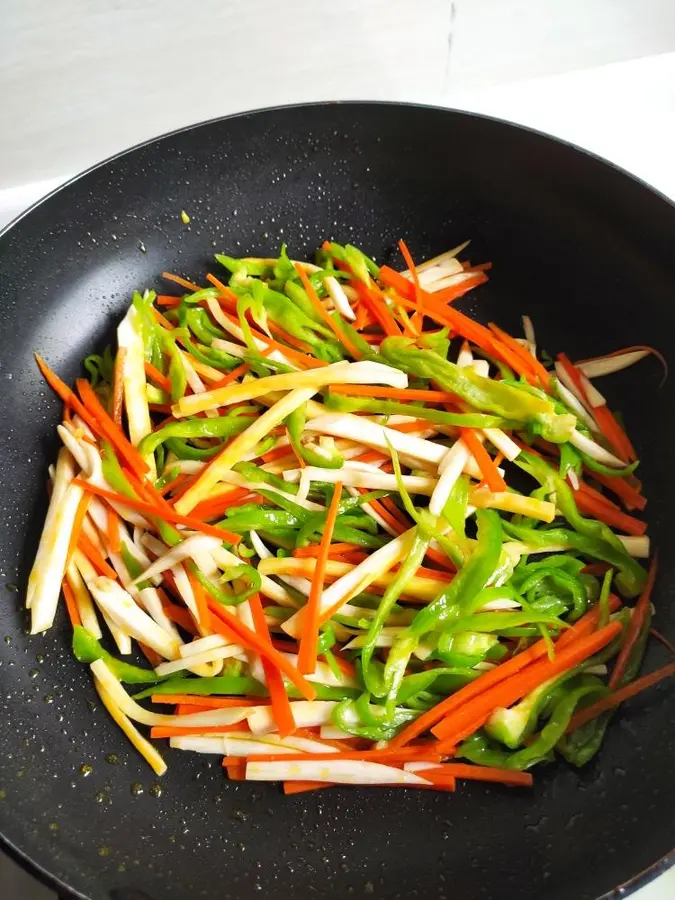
[[343, 522]]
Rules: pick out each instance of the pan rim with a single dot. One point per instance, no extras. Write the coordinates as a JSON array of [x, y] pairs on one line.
[[659, 866]]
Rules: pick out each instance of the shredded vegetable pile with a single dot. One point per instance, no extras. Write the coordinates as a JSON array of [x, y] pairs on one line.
[[359, 537]]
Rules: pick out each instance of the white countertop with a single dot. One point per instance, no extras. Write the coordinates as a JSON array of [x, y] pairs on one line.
[[81, 81]]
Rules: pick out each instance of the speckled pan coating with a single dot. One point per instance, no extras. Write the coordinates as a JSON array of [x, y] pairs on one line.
[[581, 247]]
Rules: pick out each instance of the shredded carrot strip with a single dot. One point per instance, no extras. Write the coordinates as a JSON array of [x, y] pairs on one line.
[[281, 707], [634, 627], [302, 787], [310, 635], [252, 641], [107, 427], [604, 512], [428, 753], [151, 655], [664, 640], [209, 509], [71, 605], [627, 493], [64, 392], [524, 354], [624, 693], [208, 702], [419, 315], [373, 300], [235, 373], [183, 282], [169, 731], [394, 522], [113, 530], [479, 773], [80, 513], [168, 514], [93, 555], [156, 376], [614, 433], [203, 613], [485, 463], [323, 313], [118, 387], [404, 394], [314, 550]]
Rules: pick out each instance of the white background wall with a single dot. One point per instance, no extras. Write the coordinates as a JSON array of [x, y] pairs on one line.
[[82, 79]]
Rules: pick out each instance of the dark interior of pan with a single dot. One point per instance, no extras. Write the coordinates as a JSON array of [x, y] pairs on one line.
[[582, 248]]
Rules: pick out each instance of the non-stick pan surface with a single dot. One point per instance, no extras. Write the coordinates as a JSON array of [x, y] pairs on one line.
[[579, 246]]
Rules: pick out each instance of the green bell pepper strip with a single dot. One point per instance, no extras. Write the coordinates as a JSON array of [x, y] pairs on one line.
[[236, 265], [630, 576], [611, 471], [199, 323], [100, 368], [257, 475], [454, 511], [603, 601], [488, 622], [220, 426], [182, 450], [443, 679], [146, 326], [379, 727], [327, 459], [134, 568], [360, 264], [470, 580], [218, 684], [177, 376], [438, 342], [210, 356], [565, 582], [504, 400], [87, 649], [167, 478], [465, 649], [373, 680], [223, 597], [342, 403], [570, 460]]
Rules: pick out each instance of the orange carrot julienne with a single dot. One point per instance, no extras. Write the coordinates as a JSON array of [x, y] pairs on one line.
[[168, 514], [471, 716], [455, 291], [208, 509], [405, 394], [396, 525], [634, 627], [415, 280], [169, 731], [484, 461], [314, 549], [113, 530], [624, 693], [151, 655], [183, 282], [250, 639], [281, 707], [208, 702], [590, 505], [118, 387], [310, 635], [377, 307], [627, 493], [407, 754], [323, 313], [234, 374], [107, 427], [78, 521], [203, 612], [614, 433], [64, 392], [93, 555], [71, 605], [479, 773], [181, 616], [522, 353], [664, 640], [224, 290], [157, 378], [303, 787]]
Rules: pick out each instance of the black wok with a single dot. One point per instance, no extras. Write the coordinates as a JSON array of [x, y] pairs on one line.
[[581, 247]]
